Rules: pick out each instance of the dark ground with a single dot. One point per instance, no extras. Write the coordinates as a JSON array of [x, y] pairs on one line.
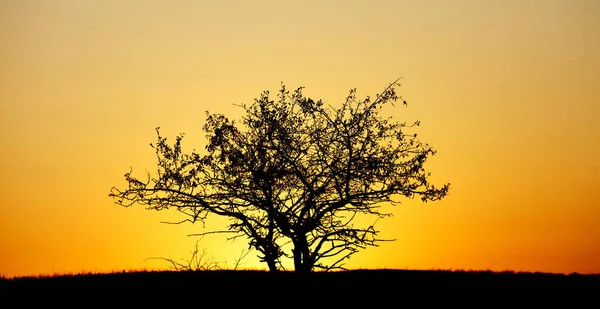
[[357, 287]]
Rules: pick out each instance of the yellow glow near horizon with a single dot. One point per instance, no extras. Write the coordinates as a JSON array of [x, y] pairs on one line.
[[504, 90]]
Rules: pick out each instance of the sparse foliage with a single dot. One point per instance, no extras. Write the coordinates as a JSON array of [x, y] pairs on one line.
[[294, 172], [201, 261]]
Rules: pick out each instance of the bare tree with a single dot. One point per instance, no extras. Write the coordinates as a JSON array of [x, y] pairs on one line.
[[295, 172]]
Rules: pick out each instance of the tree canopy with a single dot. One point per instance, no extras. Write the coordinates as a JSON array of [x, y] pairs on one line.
[[293, 173]]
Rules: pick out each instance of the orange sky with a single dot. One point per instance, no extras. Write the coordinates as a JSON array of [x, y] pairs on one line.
[[505, 91]]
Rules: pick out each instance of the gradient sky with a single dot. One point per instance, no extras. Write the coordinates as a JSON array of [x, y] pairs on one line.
[[506, 91]]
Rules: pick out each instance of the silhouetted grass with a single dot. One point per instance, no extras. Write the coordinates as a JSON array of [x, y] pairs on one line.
[[376, 284], [506, 279]]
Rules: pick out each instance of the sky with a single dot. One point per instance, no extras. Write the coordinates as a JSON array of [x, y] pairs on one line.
[[505, 92]]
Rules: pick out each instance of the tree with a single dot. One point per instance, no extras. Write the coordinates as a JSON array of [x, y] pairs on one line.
[[294, 172]]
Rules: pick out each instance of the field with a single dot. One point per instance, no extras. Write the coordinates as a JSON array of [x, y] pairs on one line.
[[350, 286]]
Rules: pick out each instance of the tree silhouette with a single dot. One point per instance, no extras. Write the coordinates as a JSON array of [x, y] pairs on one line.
[[294, 172]]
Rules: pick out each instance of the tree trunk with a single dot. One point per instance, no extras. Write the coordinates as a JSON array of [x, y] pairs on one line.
[[272, 265], [297, 258], [302, 260]]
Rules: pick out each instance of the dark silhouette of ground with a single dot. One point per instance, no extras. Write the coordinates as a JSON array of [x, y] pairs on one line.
[[358, 287]]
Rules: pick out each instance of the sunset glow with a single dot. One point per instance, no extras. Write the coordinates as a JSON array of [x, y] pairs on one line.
[[506, 92]]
